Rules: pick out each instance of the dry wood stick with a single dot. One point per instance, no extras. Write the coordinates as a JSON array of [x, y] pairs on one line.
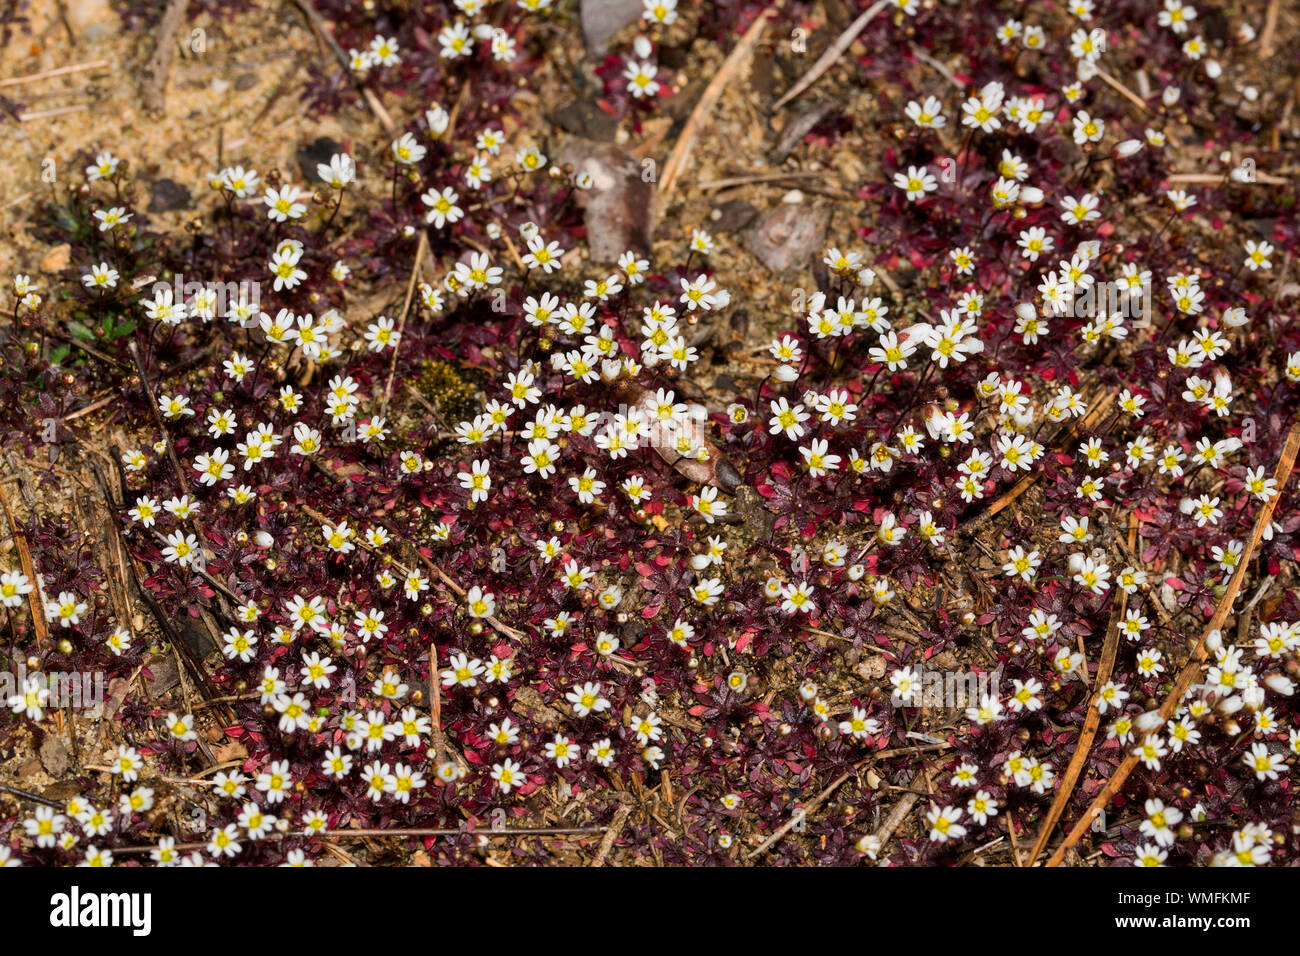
[[421, 248], [730, 67], [1188, 675], [157, 419], [153, 78], [58, 71], [1267, 179], [56, 111], [611, 835], [802, 813], [1091, 723], [207, 689], [1124, 91], [827, 59], [1266, 37], [317, 23], [29, 569], [899, 813]]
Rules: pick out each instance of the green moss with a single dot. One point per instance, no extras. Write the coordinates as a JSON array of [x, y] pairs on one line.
[[449, 391]]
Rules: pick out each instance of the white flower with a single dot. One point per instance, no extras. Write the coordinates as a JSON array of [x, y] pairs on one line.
[[660, 11], [641, 79], [788, 419], [383, 51], [283, 203], [480, 603], [1257, 254], [927, 115], [1083, 209], [339, 172], [916, 183], [1265, 765], [462, 671], [943, 824], [455, 41], [508, 774], [442, 206], [407, 150]]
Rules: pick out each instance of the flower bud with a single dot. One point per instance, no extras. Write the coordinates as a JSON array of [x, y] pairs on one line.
[[1231, 705], [438, 119], [1280, 683], [1148, 722]]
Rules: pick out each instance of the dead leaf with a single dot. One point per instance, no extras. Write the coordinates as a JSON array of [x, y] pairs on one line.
[[54, 756], [231, 751]]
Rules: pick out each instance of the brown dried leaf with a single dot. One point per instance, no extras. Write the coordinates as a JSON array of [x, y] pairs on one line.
[[231, 751]]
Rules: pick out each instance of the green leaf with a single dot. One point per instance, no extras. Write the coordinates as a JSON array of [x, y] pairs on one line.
[[126, 328]]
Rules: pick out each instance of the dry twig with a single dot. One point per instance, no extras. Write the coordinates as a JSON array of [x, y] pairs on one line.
[[827, 59], [29, 569], [730, 67], [611, 835], [153, 78], [1092, 722], [422, 248], [59, 71], [317, 23], [1189, 674]]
